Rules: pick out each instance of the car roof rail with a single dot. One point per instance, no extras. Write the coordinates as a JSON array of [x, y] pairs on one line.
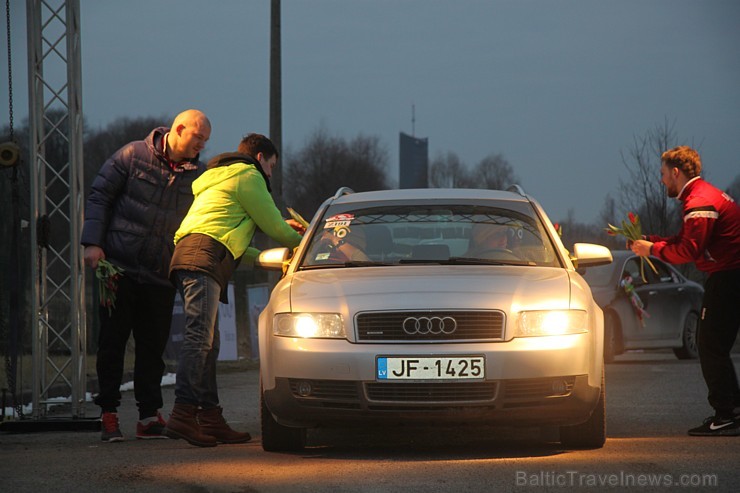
[[342, 191], [516, 188]]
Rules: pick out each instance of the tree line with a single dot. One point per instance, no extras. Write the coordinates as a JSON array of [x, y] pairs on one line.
[[327, 162]]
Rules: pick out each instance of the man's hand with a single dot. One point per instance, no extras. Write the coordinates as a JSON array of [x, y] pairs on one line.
[[641, 247], [93, 254], [296, 226]]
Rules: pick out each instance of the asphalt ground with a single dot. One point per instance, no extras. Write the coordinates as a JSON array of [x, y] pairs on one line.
[[652, 399]]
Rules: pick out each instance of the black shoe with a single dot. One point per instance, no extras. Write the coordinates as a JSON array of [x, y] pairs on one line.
[[716, 426]]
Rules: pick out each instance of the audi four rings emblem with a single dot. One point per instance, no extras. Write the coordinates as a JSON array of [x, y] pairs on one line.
[[429, 325]]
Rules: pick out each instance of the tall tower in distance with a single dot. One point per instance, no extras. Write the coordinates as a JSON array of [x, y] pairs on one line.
[[413, 160]]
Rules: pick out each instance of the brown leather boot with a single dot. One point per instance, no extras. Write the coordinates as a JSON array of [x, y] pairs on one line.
[[183, 423], [212, 423]]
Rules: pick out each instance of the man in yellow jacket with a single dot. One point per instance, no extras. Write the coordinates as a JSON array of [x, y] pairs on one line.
[[232, 200]]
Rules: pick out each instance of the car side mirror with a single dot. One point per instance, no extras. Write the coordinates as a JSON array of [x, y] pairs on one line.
[[273, 258], [588, 254]]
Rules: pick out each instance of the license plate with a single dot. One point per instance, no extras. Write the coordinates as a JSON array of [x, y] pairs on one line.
[[431, 368]]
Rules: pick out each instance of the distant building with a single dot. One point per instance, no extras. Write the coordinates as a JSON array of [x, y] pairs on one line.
[[413, 162]]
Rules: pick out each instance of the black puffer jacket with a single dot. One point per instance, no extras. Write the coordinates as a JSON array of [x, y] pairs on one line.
[[136, 204]]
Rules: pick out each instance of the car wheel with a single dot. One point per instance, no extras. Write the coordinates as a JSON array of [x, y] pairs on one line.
[[592, 433], [276, 437], [689, 349], [610, 338]]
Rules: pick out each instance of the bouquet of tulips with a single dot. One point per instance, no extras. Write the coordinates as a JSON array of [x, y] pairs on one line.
[[108, 276], [298, 217], [632, 231]]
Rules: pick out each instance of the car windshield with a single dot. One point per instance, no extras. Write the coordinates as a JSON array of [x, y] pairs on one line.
[[424, 234]]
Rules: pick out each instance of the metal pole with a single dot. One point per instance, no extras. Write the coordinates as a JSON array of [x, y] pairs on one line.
[[58, 302], [276, 99], [38, 205], [76, 211]]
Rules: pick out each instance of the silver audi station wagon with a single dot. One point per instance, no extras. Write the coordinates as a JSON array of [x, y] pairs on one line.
[[431, 306]]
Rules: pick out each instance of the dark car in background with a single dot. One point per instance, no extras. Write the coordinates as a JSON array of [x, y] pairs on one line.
[[671, 304]]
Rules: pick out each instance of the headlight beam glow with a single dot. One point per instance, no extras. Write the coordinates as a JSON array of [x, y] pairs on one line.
[[309, 325], [551, 323]]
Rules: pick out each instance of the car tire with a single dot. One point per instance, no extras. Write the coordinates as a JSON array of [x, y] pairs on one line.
[[590, 434], [689, 349], [276, 437], [610, 338]]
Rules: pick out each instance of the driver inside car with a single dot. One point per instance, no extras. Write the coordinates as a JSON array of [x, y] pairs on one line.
[[487, 239]]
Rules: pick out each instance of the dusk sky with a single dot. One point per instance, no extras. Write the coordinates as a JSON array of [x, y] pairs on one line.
[[559, 88]]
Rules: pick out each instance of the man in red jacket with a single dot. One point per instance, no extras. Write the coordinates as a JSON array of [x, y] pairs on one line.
[[710, 237]]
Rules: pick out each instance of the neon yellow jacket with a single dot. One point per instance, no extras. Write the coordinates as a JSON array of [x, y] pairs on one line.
[[231, 201]]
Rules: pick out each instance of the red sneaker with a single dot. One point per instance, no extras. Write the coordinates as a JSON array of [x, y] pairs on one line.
[[151, 427], [111, 432]]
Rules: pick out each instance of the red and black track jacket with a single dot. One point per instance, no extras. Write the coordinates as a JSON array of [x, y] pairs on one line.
[[710, 235]]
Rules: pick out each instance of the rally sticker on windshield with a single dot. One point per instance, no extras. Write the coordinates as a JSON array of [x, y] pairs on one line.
[[339, 221]]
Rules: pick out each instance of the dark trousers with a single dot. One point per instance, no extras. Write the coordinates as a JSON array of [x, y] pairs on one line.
[[717, 333], [145, 311]]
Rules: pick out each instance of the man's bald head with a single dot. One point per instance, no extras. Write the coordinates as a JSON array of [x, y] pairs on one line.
[[190, 131]]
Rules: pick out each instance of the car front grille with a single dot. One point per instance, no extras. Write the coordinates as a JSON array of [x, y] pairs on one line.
[[431, 396], [430, 326], [345, 394], [432, 392]]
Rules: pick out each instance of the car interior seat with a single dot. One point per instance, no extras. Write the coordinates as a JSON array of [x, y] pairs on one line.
[[430, 252], [379, 241]]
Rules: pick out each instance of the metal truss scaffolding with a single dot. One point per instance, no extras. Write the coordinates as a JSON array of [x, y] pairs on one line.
[[57, 193]]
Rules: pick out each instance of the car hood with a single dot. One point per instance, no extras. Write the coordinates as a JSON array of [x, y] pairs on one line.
[[350, 290]]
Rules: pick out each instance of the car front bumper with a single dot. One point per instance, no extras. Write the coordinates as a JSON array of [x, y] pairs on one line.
[[563, 400], [528, 382]]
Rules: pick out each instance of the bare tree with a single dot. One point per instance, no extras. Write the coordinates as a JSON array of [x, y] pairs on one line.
[[609, 215], [327, 163], [575, 232], [448, 171], [102, 143], [644, 193], [734, 189], [494, 172]]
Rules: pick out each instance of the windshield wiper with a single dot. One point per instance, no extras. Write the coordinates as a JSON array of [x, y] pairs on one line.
[[351, 263], [486, 261], [421, 261], [366, 263]]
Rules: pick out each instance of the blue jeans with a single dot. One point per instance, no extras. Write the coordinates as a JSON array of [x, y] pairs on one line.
[[196, 364]]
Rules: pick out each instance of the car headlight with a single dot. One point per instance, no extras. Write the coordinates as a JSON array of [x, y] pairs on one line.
[[551, 323], [309, 325]]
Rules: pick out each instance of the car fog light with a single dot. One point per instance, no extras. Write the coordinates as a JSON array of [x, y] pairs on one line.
[[304, 389], [559, 387]]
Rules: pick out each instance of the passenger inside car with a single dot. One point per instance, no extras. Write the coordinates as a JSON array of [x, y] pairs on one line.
[[341, 245], [487, 240]]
